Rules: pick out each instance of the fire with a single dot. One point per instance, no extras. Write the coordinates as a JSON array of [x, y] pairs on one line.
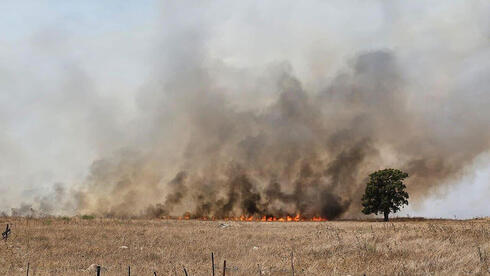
[[244, 218], [318, 219]]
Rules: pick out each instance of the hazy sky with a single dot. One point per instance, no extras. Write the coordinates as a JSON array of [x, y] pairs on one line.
[[72, 73]]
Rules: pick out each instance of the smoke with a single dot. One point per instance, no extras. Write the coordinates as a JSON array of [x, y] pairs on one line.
[[230, 126], [303, 153]]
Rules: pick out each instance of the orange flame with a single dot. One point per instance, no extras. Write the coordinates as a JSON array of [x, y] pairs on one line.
[[244, 218]]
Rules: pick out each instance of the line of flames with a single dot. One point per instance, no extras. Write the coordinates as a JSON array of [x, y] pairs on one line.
[[254, 218]]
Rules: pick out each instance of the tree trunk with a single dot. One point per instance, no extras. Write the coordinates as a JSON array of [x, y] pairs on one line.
[[386, 213]]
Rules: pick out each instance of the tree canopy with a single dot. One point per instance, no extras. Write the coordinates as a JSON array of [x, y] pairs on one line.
[[385, 192]]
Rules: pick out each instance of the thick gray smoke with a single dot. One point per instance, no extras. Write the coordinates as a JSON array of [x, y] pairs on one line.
[[303, 153], [219, 134]]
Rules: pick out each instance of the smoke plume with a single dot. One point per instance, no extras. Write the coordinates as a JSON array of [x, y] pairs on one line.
[[303, 153], [217, 137]]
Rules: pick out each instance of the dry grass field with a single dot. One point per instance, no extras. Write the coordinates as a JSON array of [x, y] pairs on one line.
[[72, 246]]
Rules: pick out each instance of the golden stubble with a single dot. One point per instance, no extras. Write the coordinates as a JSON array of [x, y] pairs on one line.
[[73, 246]]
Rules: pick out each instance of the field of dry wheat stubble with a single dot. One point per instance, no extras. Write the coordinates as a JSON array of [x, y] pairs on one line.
[[73, 246]]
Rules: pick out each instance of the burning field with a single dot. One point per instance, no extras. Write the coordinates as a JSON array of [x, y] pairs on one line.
[[152, 133], [75, 246], [296, 218]]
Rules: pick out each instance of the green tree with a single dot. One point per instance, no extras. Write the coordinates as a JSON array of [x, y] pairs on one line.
[[385, 192]]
